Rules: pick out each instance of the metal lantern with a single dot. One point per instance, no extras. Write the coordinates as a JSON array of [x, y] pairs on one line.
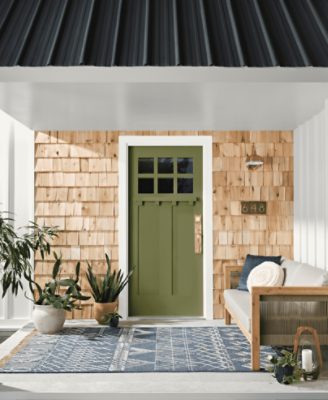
[[307, 348]]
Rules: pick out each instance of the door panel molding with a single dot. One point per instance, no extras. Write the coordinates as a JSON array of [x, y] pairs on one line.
[[201, 141]]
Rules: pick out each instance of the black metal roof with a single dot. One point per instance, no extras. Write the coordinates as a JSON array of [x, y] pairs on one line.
[[232, 33]]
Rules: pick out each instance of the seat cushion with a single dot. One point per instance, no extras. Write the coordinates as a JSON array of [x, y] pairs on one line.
[[239, 303], [301, 274], [252, 262], [266, 274]]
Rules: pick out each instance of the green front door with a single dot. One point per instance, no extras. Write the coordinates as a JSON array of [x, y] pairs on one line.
[[165, 206]]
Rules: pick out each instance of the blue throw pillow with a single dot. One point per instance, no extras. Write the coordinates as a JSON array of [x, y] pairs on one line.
[[252, 262]]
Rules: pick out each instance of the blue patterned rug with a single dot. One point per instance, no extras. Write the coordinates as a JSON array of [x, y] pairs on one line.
[[167, 349]]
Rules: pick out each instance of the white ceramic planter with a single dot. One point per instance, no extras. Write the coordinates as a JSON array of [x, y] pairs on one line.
[[48, 319]]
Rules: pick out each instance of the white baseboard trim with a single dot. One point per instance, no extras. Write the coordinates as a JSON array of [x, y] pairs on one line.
[[12, 324]]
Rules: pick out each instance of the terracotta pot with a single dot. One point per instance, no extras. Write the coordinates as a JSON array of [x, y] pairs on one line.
[[48, 319], [101, 311]]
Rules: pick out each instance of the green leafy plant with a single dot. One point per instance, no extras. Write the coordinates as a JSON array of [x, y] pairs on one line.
[[17, 249], [109, 318], [285, 367], [107, 289], [61, 293], [115, 315]]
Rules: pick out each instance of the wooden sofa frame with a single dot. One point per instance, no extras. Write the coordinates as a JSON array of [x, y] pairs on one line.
[[254, 336]]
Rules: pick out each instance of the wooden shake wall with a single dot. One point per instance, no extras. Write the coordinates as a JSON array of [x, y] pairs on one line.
[[76, 179]]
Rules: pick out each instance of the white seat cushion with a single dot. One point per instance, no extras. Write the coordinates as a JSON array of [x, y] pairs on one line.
[[239, 303], [266, 274], [301, 274]]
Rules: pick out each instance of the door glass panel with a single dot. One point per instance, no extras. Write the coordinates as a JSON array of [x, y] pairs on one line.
[[146, 165], [165, 185], [185, 165], [185, 185], [165, 165], [146, 185]]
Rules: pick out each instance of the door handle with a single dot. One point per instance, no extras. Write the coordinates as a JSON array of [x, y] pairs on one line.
[[198, 232]]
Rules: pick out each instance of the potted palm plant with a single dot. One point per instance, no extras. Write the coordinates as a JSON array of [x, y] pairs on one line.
[[105, 290], [16, 251], [55, 298]]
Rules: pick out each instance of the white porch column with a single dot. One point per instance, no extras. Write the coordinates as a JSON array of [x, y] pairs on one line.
[[311, 191], [17, 197]]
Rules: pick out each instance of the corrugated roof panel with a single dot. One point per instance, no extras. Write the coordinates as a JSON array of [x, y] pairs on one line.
[[103, 40], [194, 42], [132, 46], [314, 38], [15, 30], [322, 10], [43, 37], [71, 43], [231, 33], [163, 42], [224, 38], [5, 7], [255, 43], [282, 33]]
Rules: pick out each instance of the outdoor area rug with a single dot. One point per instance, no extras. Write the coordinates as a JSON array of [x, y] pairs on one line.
[[150, 349]]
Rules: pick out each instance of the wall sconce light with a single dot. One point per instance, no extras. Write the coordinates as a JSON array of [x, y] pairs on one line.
[[254, 161]]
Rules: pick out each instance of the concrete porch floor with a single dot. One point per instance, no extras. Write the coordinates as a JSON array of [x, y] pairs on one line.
[[151, 385]]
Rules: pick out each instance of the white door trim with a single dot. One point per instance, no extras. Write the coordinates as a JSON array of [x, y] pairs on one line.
[[123, 227]]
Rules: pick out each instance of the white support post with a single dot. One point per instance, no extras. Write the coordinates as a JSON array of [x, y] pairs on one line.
[[17, 197]]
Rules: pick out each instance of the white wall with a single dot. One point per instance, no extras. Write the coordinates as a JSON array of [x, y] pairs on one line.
[[16, 196], [311, 191]]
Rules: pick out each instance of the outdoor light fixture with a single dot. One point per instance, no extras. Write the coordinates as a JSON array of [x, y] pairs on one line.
[[254, 161]]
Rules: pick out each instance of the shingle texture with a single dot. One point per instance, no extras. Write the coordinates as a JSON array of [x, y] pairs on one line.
[[231, 33]]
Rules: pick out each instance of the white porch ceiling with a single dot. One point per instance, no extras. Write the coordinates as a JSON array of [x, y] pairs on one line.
[[175, 98]]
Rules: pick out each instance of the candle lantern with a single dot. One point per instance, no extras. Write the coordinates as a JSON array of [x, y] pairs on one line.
[[307, 348]]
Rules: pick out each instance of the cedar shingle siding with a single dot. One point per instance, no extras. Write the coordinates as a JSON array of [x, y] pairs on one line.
[[76, 179]]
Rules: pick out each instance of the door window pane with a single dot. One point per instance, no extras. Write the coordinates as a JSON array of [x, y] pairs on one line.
[[146, 185], [185, 185], [185, 165], [165, 185], [165, 165], [146, 165]]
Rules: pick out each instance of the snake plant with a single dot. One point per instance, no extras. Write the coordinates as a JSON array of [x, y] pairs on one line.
[[107, 289]]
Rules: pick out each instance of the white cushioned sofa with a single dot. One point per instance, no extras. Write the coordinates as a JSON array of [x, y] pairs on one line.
[[271, 315]]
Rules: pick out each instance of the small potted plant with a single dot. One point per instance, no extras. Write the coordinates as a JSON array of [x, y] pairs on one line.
[[114, 319], [58, 296], [106, 290], [284, 367]]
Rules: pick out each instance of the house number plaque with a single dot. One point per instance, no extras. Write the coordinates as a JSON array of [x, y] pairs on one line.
[[253, 207]]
